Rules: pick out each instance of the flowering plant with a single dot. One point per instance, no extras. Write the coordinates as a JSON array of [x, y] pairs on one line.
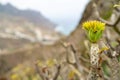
[[94, 30]]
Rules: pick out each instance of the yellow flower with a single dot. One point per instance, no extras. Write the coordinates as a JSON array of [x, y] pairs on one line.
[[15, 77], [93, 25], [51, 62], [28, 70], [71, 74], [94, 29], [17, 68]]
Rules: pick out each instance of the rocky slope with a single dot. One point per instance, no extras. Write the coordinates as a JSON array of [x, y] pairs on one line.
[[24, 26], [30, 15]]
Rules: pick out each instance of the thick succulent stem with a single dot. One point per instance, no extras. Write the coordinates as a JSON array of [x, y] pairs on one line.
[[94, 60]]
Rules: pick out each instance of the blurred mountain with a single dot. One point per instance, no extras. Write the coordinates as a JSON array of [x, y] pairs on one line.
[[25, 26], [30, 15]]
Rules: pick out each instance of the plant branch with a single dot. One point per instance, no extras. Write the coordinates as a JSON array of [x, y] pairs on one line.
[[108, 23], [70, 48], [39, 72], [57, 72]]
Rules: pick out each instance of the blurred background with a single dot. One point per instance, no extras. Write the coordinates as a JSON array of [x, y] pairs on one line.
[[43, 21], [27, 24], [64, 13]]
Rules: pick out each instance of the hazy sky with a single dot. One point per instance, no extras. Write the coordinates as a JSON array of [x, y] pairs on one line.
[[65, 13]]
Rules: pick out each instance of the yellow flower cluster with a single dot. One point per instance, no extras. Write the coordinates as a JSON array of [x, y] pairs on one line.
[[94, 30], [15, 77], [94, 26]]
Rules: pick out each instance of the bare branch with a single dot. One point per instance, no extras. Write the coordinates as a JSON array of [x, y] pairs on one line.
[[108, 23], [57, 72], [117, 30], [39, 71], [78, 65], [69, 47], [42, 74]]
